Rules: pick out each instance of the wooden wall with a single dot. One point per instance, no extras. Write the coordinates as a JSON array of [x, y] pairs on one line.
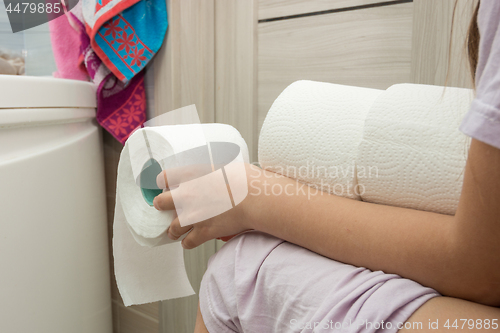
[[185, 75], [236, 68], [438, 51]]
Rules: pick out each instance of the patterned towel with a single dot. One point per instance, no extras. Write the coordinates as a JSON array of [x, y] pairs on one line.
[[121, 108], [125, 34]]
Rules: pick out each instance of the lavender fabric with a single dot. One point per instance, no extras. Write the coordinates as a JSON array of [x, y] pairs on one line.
[[482, 122], [259, 283]]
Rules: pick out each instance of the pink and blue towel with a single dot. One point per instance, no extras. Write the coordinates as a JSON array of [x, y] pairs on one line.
[[125, 34], [114, 41]]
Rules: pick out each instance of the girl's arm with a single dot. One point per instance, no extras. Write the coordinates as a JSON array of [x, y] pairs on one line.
[[457, 255]]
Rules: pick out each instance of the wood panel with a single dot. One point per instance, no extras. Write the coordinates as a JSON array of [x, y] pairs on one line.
[[184, 66], [132, 321], [368, 47], [437, 52], [112, 149], [184, 75], [236, 68], [279, 8]]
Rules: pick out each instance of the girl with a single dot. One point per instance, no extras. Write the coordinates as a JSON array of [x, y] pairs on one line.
[[301, 267]]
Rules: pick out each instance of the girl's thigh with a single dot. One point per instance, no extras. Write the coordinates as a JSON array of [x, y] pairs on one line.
[[446, 314], [258, 283]]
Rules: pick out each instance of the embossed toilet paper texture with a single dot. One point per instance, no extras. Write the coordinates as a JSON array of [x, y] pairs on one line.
[[403, 144], [411, 137], [312, 133]]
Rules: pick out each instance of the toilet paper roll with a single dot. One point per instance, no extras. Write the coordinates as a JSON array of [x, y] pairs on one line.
[[146, 146], [412, 153], [145, 271], [312, 133], [399, 147]]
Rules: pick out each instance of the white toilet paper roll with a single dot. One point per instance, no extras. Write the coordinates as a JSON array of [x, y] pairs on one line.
[[148, 225], [312, 133], [146, 272], [413, 148], [399, 147]]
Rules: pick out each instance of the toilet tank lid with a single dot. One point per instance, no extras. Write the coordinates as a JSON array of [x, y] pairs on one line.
[[45, 92]]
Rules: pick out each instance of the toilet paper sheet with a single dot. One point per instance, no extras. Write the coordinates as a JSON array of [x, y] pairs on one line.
[[145, 271], [399, 147]]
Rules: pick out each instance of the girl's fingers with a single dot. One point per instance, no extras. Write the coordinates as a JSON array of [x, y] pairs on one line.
[[175, 230], [161, 180], [175, 176], [195, 238], [164, 201]]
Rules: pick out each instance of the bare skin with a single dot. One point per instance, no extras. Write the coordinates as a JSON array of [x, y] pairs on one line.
[[200, 324], [468, 316], [456, 255]]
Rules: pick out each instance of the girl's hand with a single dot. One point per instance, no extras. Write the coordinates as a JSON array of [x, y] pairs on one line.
[[225, 225]]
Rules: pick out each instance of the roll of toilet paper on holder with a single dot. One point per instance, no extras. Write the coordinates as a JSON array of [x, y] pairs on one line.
[[145, 271]]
